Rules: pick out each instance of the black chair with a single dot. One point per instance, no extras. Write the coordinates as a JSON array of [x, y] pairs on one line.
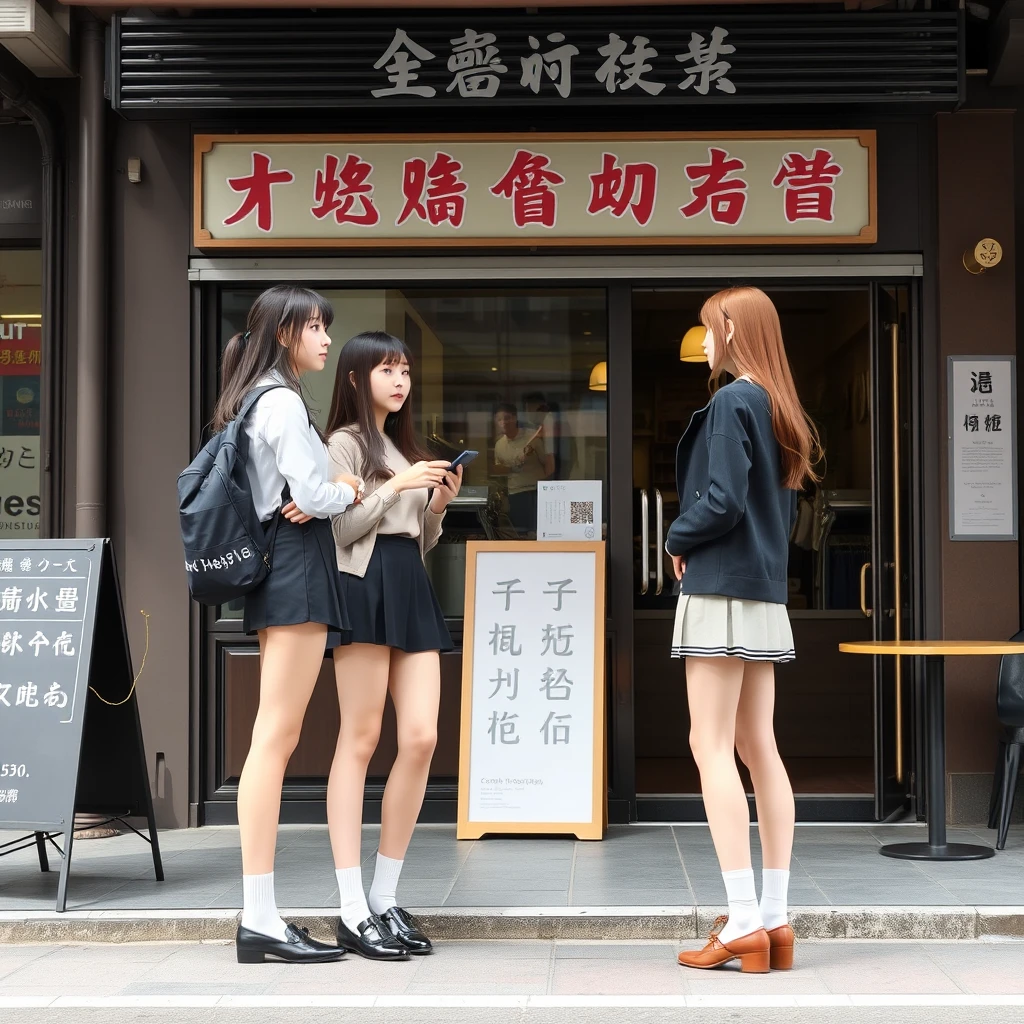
[[1010, 710]]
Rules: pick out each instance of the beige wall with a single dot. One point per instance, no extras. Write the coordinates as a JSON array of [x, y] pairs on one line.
[[976, 316], [150, 361]]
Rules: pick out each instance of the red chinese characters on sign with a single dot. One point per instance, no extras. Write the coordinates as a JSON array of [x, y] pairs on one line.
[[528, 183], [20, 352], [725, 197], [435, 193], [346, 191], [633, 187], [810, 185], [257, 188]]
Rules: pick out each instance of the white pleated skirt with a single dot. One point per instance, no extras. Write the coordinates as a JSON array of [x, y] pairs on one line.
[[711, 626]]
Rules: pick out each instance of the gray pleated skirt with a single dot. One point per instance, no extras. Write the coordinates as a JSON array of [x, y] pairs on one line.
[[711, 626]]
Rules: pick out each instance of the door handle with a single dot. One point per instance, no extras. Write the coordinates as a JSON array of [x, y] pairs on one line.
[[659, 528], [864, 590], [645, 542]]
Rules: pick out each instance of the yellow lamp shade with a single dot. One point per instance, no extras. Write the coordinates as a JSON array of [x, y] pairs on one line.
[[692, 348], [599, 377]]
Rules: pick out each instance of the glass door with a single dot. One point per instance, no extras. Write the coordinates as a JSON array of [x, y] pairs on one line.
[[827, 704]]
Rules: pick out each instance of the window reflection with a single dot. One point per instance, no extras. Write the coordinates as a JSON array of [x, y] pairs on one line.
[[505, 372], [20, 369]]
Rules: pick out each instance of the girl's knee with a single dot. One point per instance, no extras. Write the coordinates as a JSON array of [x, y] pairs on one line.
[[417, 744], [360, 741], [757, 751]]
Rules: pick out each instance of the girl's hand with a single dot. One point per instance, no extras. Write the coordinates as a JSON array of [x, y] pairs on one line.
[[449, 488], [422, 475], [678, 566], [294, 514]]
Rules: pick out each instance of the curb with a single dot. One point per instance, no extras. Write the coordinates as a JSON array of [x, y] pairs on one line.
[[584, 923]]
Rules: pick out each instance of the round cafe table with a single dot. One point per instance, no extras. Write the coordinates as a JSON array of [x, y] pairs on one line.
[[934, 653]]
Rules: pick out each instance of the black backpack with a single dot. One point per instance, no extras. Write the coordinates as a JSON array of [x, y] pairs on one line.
[[227, 549]]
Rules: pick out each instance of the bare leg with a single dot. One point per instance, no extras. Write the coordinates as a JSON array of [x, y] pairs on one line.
[[713, 688], [361, 672], [415, 685], [755, 743], [291, 657]]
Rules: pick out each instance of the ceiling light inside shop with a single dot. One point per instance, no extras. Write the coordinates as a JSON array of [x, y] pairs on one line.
[[692, 348], [599, 377]]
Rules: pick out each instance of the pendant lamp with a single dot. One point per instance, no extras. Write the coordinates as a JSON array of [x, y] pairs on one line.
[[599, 377], [692, 348]]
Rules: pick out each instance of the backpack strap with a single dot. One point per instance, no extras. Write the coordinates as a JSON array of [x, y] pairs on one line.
[[253, 397]]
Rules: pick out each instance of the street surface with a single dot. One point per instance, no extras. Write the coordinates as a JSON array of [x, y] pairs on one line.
[[515, 982]]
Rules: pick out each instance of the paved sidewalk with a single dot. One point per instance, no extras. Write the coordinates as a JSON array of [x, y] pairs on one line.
[[516, 981], [635, 866]]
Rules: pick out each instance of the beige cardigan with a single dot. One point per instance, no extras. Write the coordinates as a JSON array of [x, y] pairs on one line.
[[355, 530]]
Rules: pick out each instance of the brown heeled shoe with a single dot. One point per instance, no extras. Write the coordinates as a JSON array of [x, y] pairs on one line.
[[782, 941], [753, 951]]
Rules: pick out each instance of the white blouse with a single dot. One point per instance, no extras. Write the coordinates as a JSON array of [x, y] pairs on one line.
[[284, 448]]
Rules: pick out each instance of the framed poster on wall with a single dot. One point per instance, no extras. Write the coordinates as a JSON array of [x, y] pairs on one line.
[[532, 757], [982, 448]]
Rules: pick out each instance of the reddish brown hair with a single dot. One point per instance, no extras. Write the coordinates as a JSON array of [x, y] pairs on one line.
[[758, 352]]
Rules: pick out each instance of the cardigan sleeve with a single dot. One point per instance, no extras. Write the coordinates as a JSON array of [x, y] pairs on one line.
[[722, 505], [432, 524], [359, 520]]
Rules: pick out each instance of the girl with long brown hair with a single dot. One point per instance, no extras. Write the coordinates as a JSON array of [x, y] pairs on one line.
[[397, 631], [738, 468], [299, 601]]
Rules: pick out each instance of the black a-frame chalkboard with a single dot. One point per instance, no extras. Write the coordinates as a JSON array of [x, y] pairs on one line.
[[70, 735]]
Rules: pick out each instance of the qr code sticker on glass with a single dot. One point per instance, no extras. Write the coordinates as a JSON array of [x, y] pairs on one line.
[[581, 513]]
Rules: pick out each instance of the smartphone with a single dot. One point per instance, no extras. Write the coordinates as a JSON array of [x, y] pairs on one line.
[[462, 460]]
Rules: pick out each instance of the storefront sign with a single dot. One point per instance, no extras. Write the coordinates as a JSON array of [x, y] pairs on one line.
[[982, 459], [484, 62], [20, 468], [569, 510], [764, 188], [532, 754]]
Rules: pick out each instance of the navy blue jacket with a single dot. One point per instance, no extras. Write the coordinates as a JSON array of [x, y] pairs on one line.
[[735, 514]]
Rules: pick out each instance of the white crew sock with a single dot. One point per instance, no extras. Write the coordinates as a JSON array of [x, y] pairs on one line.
[[385, 883], [354, 910], [774, 892], [259, 908], [744, 915]]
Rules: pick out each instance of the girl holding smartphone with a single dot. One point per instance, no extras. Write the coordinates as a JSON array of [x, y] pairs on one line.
[[397, 631]]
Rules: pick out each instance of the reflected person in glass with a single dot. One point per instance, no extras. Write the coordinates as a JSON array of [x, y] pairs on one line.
[[524, 457]]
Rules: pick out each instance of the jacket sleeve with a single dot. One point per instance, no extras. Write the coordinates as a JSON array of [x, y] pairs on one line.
[[343, 452], [722, 505], [794, 511], [285, 428]]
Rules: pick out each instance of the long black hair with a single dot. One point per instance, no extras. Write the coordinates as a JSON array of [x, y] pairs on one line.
[[352, 403], [273, 331]]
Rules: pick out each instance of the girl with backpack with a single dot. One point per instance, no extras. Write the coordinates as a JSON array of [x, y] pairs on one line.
[[298, 601], [397, 631], [739, 466]]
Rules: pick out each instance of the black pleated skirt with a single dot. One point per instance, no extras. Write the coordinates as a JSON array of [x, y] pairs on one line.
[[394, 604], [302, 585]]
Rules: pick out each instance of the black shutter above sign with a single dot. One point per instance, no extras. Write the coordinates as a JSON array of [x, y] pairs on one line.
[[594, 58]]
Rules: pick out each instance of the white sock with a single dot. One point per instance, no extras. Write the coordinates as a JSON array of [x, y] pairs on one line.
[[744, 915], [259, 908], [774, 890], [385, 883], [354, 910]]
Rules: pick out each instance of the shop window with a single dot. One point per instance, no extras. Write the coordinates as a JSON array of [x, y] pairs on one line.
[[20, 368], [507, 372]]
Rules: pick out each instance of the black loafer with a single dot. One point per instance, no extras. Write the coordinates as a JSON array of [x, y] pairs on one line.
[[404, 928], [298, 948], [374, 940]]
